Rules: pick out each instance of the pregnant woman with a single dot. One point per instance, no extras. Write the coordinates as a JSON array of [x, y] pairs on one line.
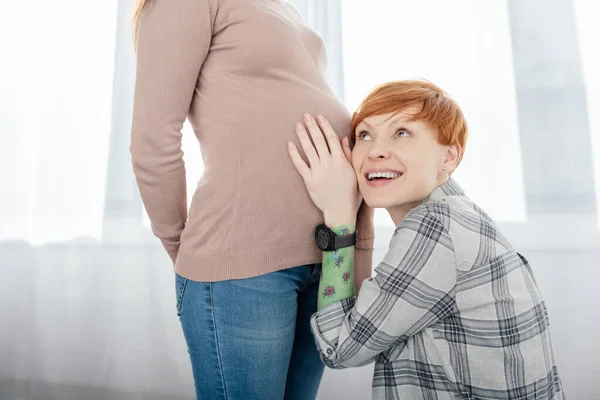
[[247, 269]]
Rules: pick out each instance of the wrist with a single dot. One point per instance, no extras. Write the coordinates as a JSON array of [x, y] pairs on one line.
[[343, 229], [334, 221]]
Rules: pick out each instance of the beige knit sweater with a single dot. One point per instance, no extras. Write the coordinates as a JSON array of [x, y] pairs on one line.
[[243, 72]]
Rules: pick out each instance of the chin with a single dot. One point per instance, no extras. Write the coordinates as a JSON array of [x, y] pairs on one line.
[[374, 202]]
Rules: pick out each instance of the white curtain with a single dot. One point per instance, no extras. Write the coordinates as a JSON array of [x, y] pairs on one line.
[[55, 97], [86, 292], [588, 32], [325, 18], [473, 63]]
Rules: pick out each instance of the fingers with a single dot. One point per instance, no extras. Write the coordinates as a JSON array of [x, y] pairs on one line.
[[330, 135], [346, 149], [325, 140], [307, 145], [317, 137], [298, 161]]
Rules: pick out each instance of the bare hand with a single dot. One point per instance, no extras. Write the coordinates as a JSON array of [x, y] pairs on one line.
[[330, 179]]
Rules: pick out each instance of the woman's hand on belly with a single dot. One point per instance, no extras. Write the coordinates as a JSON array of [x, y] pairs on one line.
[[330, 178]]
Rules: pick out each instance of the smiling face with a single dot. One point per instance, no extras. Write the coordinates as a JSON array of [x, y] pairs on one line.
[[408, 137], [398, 162]]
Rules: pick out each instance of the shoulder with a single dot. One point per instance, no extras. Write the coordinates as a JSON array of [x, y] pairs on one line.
[[469, 228], [431, 214], [425, 225], [293, 8], [448, 223], [421, 244], [452, 210]]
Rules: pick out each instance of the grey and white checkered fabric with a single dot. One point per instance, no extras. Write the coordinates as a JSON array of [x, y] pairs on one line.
[[452, 312]]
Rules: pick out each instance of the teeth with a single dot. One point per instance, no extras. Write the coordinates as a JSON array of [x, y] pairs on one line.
[[388, 175]]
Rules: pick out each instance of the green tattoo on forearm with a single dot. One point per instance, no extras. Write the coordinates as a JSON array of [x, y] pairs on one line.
[[337, 279]]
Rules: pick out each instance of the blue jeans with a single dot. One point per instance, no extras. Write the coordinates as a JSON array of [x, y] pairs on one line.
[[250, 338]]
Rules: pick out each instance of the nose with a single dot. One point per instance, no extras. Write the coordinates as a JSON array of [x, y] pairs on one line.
[[379, 151]]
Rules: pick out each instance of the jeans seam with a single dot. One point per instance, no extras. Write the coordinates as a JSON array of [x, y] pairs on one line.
[[180, 298], [309, 279], [219, 357]]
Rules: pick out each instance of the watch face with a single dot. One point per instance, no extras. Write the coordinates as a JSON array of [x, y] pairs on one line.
[[322, 239]]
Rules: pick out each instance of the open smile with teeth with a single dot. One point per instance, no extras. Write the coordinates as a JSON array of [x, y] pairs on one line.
[[383, 175]]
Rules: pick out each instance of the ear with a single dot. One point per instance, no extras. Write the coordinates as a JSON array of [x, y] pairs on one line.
[[452, 157]]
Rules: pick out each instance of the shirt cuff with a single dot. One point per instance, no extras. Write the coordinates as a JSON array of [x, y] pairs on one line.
[[326, 325]]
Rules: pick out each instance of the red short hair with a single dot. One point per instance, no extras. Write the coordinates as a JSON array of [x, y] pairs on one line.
[[436, 109]]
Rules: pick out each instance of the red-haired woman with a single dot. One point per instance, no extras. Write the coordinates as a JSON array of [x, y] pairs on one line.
[[453, 310]]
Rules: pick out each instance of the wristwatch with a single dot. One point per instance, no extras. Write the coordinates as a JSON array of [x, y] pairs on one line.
[[328, 240]]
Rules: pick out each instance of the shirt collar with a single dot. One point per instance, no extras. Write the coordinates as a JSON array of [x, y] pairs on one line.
[[446, 189]]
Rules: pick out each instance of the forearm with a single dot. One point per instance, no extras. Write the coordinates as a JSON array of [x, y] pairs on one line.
[[163, 192], [337, 279], [407, 294], [158, 166]]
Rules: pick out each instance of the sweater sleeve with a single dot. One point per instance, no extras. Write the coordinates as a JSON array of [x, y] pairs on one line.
[[173, 41]]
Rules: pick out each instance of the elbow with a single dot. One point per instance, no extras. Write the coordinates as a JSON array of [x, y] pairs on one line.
[[148, 158], [337, 360], [139, 151], [155, 146], [333, 364], [343, 364], [331, 358], [140, 162]]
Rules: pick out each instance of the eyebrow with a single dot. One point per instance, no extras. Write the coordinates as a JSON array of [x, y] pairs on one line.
[[393, 122], [367, 124]]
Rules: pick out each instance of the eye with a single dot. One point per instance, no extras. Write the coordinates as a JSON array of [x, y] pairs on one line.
[[402, 133], [363, 135]]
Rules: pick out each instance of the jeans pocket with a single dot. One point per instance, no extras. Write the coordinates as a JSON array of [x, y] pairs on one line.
[[180, 284]]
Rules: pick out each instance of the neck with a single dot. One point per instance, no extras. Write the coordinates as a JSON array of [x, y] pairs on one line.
[[399, 212], [443, 179]]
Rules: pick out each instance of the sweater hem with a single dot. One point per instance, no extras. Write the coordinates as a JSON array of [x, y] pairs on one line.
[[241, 264]]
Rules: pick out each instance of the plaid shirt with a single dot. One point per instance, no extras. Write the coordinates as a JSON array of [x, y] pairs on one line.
[[452, 312]]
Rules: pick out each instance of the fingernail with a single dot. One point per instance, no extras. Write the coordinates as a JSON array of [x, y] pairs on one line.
[[291, 146], [299, 126], [321, 118], [346, 140], [307, 117]]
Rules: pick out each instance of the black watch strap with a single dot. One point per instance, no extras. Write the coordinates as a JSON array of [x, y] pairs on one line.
[[342, 241], [328, 240]]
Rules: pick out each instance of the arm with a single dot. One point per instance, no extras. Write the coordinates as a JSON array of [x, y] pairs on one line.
[[412, 289], [363, 259], [414, 285], [332, 186], [173, 41], [337, 279]]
